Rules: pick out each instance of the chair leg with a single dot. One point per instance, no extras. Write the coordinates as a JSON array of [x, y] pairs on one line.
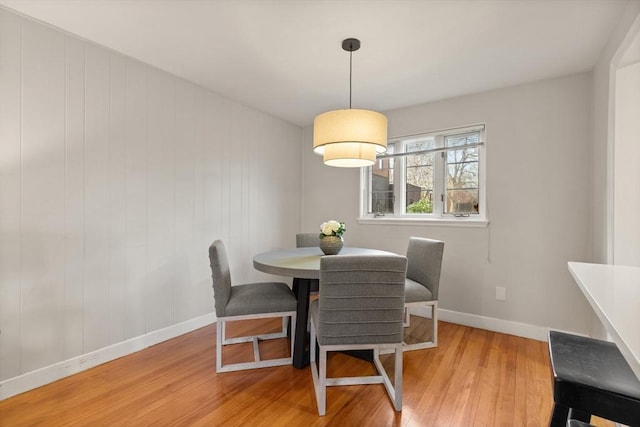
[[312, 343], [559, 416], [319, 373], [576, 414], [322, 395], [219, 340], [394, 390], [293, 334], [397, 381], [434, 320]]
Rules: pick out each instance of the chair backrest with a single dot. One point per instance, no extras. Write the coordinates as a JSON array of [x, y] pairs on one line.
[[424, 258], [307, 240], [361, 299], [221, 276]]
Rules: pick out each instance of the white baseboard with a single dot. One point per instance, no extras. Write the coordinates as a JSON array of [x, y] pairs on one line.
[[496, 325], [48, 374]]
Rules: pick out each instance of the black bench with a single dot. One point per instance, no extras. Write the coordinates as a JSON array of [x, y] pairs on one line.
[[591, 377]]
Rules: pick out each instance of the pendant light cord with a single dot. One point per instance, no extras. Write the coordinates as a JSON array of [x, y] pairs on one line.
[[350, 75], [350, 45]]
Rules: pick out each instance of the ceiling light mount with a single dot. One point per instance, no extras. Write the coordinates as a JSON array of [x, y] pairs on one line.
[[351, 45], [350, 138]]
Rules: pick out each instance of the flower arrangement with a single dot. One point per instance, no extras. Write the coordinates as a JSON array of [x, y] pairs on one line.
[[332, 228]]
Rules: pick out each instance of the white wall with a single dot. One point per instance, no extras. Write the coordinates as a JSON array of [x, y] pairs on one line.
[[538, 158], [626, 203], [114, 179], [602, 168]]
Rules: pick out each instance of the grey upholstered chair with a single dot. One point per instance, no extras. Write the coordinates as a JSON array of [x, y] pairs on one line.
[[360, 307], [424, 258], [248, 301], [307, 240]]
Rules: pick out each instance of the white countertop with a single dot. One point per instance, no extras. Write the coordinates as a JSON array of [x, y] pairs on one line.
[[614, 293]]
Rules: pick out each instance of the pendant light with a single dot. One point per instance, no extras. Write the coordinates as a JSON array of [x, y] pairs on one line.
[[353, 137]]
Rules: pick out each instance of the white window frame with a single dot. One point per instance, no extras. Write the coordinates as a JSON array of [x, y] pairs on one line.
[[438, 217]]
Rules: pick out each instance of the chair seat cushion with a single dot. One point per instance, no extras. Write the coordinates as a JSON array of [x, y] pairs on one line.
[[263, 297], [414, 292], [591, 375]]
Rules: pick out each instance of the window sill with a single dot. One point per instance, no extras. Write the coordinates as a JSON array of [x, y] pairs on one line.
[[437, 222]]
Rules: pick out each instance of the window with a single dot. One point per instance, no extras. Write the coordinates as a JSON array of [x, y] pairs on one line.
[[431, 176]]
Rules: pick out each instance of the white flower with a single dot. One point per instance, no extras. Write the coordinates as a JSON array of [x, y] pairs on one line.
[[326, 228], [332, 228]]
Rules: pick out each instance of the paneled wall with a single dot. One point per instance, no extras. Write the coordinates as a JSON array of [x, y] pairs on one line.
[[114, 179]]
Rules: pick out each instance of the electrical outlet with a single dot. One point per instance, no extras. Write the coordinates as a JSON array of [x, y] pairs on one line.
[[501, 293]]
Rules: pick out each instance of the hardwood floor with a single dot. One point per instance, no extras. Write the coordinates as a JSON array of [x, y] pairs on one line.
[[473, 378]]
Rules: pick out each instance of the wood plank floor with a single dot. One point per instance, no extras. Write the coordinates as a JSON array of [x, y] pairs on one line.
[[473, 378]]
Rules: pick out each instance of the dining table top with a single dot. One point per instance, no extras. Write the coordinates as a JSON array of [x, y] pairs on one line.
[[303, 263], [614, 294]]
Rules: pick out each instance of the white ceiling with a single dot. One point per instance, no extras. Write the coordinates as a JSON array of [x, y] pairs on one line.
[[284, 57]]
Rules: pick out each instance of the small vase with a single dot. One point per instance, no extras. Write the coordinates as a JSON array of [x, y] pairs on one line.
[[331, 245]]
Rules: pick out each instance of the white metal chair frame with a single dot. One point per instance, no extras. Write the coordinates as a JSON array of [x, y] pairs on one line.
[[434, 330], [248, 301], [321, 382], [222, 340]]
